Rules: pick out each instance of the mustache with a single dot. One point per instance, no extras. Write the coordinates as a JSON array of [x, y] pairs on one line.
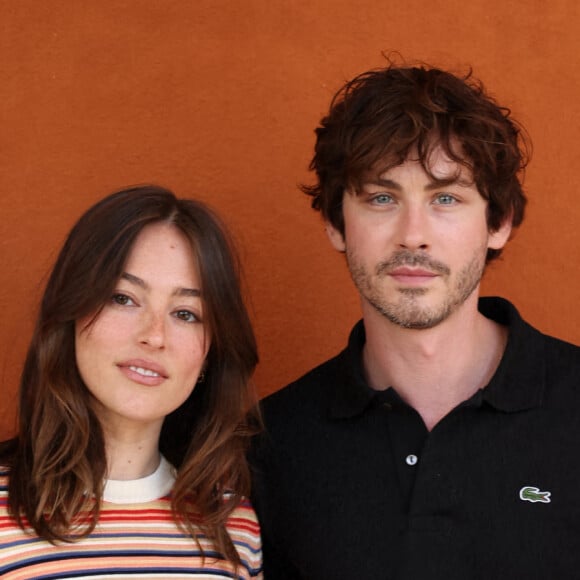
[[413, 259]]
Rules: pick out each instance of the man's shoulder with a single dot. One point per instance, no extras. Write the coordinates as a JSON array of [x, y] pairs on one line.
[[562, 360], [550, 363], [308, 386], [560, 347], [307, 394], [558, 353], [528, 343]]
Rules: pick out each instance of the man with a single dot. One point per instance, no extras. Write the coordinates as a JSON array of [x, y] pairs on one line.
[[444, 441]]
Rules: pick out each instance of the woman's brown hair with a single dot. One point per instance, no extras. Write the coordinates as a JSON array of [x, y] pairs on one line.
[[59, 455]]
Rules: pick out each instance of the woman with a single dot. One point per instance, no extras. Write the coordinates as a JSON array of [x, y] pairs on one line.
[[134, 404]]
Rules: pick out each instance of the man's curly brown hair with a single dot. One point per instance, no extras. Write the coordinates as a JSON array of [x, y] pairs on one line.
[[379, 117]]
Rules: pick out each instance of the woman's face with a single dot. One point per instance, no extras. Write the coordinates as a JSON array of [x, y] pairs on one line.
[[141, 357]]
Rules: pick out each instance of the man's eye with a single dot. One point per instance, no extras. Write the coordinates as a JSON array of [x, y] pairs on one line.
[[186, 316], [382, 199], [121, 299], [445, 199]]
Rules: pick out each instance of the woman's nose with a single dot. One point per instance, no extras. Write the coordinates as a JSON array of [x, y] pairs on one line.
[[152, 332]]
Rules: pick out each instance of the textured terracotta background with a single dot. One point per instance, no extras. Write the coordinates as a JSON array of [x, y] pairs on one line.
[[218, 99]]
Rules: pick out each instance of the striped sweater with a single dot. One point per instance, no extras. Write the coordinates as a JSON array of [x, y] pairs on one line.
[[136, 537]]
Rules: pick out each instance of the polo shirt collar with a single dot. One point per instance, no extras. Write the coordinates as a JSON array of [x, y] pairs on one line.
[[520, 379], [517, 385], [351, 395]]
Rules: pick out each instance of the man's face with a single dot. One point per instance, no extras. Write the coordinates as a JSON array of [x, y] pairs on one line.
[[416, 244]]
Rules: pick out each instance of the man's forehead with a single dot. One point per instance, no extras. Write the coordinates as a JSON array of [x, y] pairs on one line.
[[437, 163]]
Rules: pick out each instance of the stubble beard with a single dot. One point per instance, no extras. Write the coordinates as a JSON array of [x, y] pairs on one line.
[[407, 310]]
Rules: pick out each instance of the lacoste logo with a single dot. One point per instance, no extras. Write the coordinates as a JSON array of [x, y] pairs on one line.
[[533, 494]]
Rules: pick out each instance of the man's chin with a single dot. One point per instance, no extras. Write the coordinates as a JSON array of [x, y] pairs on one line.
[[413, 317]]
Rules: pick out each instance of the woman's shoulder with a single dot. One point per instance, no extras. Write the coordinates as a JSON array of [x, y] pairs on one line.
[[244, 511], [244, 530], [6, 520], [4, 479]]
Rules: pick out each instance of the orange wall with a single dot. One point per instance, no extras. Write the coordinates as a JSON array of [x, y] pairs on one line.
[[219, 98]]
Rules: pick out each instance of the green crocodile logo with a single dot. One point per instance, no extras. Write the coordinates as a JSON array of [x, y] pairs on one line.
[[533, 494]]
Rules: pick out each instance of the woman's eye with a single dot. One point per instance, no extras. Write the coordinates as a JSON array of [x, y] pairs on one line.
[[186, 316], [122, 299]]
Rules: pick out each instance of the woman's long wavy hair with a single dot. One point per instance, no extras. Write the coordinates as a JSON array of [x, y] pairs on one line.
[[59, 453]]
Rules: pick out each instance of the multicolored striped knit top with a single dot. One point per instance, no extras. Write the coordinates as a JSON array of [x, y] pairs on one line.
[[136, 537]]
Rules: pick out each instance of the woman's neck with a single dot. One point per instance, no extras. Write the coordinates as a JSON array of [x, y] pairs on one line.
[[131, 454]]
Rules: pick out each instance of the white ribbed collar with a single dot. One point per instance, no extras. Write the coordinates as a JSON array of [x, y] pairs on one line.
[[149, 488]]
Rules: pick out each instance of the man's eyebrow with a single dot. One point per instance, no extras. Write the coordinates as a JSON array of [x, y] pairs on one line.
[[194, 292], [384, 182], [433, 184], [452, 180], [437, 183]]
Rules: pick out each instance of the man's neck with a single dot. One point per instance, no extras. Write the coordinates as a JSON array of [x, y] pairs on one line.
[[435, 369]]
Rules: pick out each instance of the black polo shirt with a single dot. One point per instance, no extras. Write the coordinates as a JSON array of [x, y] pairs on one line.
[[348, 483]]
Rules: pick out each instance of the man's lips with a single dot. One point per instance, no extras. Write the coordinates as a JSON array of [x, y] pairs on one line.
[[412, 266], [143, 371], [406, 275], [405, 271]]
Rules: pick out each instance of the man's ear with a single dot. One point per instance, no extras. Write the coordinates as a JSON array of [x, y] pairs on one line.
[[335, 237], [497, 240]]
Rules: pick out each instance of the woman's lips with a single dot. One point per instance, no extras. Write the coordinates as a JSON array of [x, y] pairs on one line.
[[143, 372]]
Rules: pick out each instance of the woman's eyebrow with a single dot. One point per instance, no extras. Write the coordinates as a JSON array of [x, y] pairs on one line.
[[131, 278]]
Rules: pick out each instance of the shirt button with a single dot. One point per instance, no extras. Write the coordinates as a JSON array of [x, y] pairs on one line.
[[411, 459]]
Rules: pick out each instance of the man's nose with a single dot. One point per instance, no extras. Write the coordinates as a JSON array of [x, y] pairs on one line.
[[413, 228]]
